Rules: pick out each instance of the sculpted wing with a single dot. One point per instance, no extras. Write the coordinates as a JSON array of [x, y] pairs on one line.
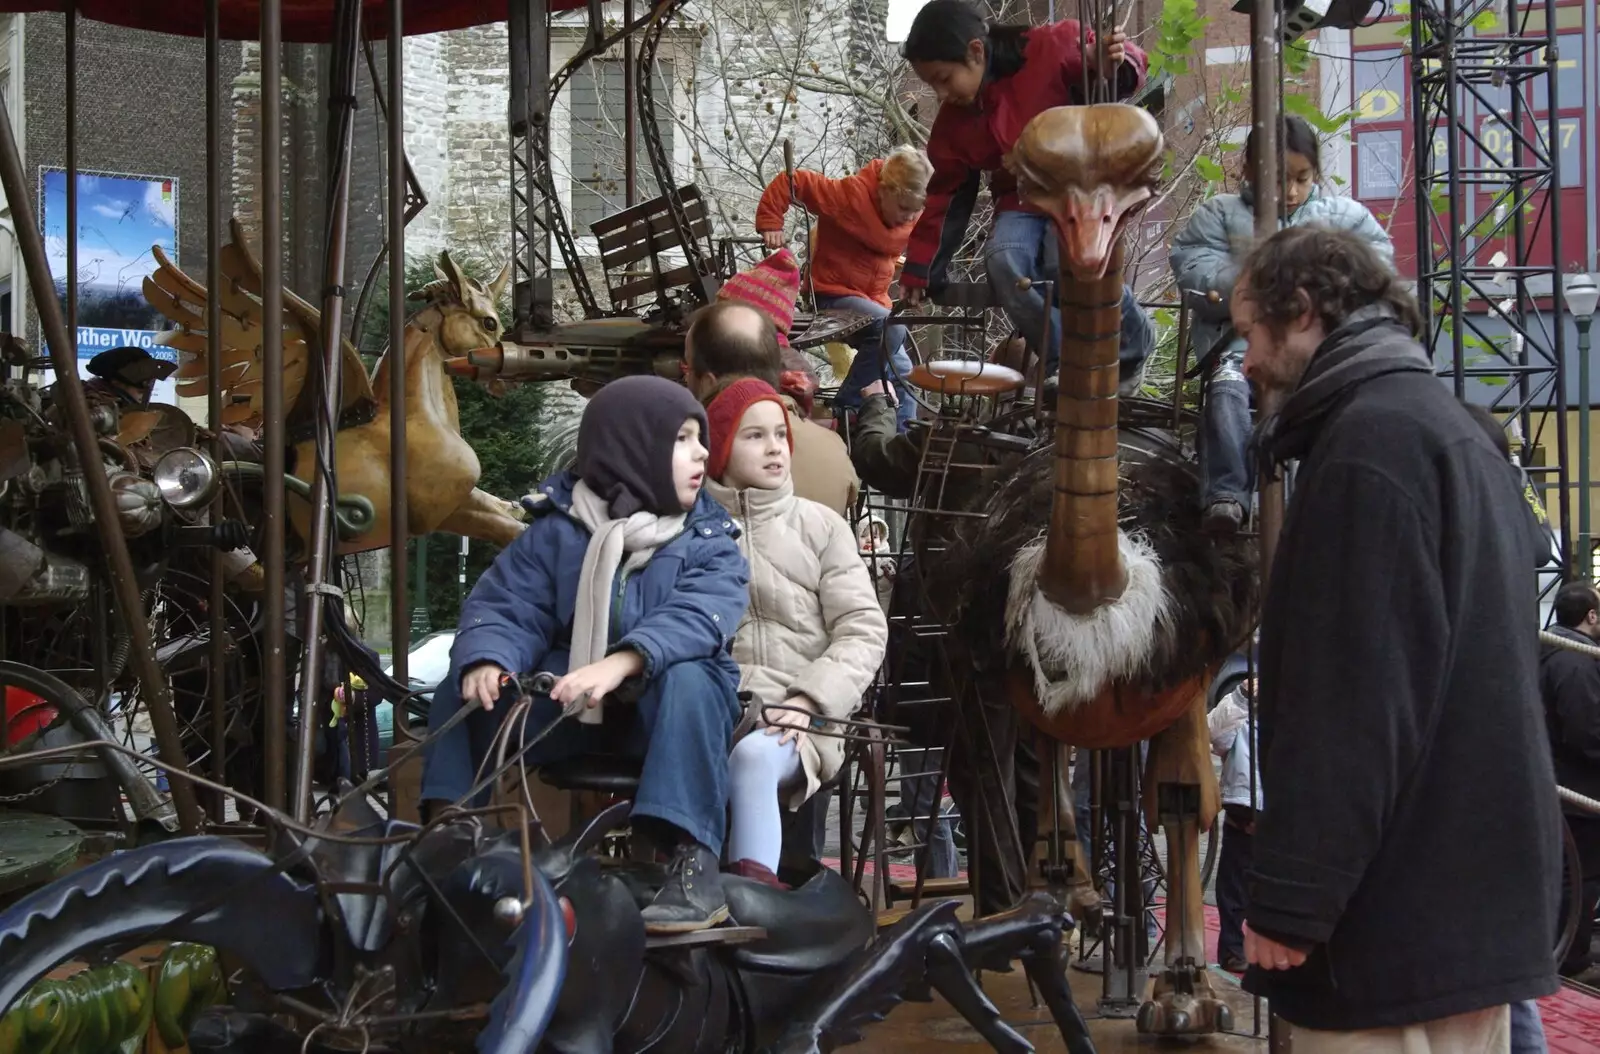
[[183, 300]]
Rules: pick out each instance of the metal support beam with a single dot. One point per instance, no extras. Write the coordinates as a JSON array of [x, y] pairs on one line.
[[320, 567], [275, 689], [1266, 180], [399, 517], [215, 224], [69, 392]]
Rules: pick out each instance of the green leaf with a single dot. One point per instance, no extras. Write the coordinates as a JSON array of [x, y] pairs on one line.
[[1338, 180], [1228, 148], [1487, 21], [1209, 170]]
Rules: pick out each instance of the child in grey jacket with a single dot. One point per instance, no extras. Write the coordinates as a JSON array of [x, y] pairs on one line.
[[1205, 261]]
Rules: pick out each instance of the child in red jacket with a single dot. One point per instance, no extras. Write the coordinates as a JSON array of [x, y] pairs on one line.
[[991, 81], [863, 224]]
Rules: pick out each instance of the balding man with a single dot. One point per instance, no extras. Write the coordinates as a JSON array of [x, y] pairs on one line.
[[729, 341]]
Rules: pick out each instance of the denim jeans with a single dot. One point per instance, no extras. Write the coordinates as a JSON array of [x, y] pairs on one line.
[[682, 727], [1023, 245], [1527, 1030], [1225, 430], [869, 363], [920, 798]]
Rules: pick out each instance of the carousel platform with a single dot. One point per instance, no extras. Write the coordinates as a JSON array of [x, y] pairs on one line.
[[1571, 1016]]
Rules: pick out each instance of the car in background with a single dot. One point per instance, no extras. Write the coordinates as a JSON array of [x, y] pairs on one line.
[[427, 663]]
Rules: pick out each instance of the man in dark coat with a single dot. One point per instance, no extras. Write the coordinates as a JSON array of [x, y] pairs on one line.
[[1569, 682], [1407, 863]]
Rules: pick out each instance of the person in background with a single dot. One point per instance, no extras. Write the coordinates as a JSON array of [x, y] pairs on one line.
[[812, 638], [991, 80], [1205, 260], [1569, 683], [864, 222], [629, 582], [126, 376], [1406, 772], [1231, 735], [733, 339]]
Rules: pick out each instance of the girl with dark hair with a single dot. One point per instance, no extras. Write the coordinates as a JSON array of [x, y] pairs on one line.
[[1205, 259], [991, 80]]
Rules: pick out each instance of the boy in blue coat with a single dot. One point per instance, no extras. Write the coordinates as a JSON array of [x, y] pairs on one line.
[[629, 572]]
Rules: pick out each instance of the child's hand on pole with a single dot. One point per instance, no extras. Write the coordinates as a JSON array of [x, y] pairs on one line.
[[482, 684], [791, 722], [592, 683], [773, 240]]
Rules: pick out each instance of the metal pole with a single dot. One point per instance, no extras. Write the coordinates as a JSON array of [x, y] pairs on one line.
[[276, 686], [214, 226], [69, 394], [323, 541], [72, 179], [1585, 553], [399, 614], [630, 113], [1264, 182]]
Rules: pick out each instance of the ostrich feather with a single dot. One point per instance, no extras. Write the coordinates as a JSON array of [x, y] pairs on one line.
[[1073, 656]]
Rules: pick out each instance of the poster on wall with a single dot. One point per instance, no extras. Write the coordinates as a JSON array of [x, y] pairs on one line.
[[119, 218]]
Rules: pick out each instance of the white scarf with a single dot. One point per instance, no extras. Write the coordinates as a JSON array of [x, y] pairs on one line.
[[640, 535]]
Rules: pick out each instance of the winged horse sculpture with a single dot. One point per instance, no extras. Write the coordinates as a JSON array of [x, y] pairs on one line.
[[457, 315]]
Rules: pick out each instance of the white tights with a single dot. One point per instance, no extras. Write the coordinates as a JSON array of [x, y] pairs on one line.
[[757, 768]]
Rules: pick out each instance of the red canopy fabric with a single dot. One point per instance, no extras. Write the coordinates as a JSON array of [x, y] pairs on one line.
[[304, 21]]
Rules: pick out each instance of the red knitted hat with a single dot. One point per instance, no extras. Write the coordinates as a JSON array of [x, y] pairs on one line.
[[771, 287], [725, 413]]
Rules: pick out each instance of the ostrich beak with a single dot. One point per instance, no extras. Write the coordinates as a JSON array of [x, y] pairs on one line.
[[1089, 223]]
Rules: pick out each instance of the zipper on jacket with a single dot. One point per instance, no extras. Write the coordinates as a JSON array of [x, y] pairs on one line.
[[748, 535]]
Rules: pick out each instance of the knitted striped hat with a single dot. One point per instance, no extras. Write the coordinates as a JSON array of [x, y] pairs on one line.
[[771, 287]]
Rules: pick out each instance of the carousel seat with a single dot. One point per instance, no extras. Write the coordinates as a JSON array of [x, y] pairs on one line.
[[610, 774], [966, 377]]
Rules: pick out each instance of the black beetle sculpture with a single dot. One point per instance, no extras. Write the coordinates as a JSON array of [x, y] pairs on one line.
[[381, 935]]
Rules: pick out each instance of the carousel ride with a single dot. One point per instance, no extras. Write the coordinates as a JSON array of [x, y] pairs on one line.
[[477, 924]]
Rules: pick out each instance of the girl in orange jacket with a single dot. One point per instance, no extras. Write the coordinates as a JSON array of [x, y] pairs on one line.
[[863, 224]]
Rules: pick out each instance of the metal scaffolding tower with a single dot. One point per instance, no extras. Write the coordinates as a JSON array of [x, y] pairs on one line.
[[1486, 136]]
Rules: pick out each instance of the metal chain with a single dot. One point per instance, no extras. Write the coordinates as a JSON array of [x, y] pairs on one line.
[[12, 799]]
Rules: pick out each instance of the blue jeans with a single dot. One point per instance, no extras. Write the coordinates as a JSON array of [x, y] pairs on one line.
[[1225, 433], [869, 363], [1023, 245], [682, 727], [920, 798], [1527, 1030]]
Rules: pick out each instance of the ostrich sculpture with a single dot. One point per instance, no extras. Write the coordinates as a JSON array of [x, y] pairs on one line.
[[1114, 618]]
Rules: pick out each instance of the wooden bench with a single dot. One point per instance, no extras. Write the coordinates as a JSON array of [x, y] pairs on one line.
[[633, 242]]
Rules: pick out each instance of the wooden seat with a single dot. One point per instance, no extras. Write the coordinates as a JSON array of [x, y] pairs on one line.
[[633, 241], [965, 377]]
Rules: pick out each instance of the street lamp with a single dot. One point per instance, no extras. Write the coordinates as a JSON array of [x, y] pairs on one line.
[[1582, 294]]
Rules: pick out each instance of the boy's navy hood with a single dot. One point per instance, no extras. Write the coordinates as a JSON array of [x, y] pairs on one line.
[[626, 441]]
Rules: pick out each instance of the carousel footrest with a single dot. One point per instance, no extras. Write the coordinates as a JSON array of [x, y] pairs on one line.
[[717, 935]]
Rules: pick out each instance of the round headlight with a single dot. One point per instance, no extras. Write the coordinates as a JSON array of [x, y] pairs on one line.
[[187, 477]]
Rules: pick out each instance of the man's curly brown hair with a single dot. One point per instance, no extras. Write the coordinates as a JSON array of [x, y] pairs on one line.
[[1338, 271]]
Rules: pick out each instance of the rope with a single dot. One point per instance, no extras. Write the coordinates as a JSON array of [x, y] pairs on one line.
[[1572, 797], [1558, 641]]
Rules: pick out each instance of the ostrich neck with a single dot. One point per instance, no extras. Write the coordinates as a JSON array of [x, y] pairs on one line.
[[1083, 568], [429, 393]]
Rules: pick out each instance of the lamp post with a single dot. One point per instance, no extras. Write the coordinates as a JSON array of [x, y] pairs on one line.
[[1582, 294]]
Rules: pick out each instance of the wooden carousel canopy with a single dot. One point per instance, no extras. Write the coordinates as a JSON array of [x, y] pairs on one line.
[[304, 21]]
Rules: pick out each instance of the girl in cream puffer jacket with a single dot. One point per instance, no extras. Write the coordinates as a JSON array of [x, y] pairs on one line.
[[813, 636]]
